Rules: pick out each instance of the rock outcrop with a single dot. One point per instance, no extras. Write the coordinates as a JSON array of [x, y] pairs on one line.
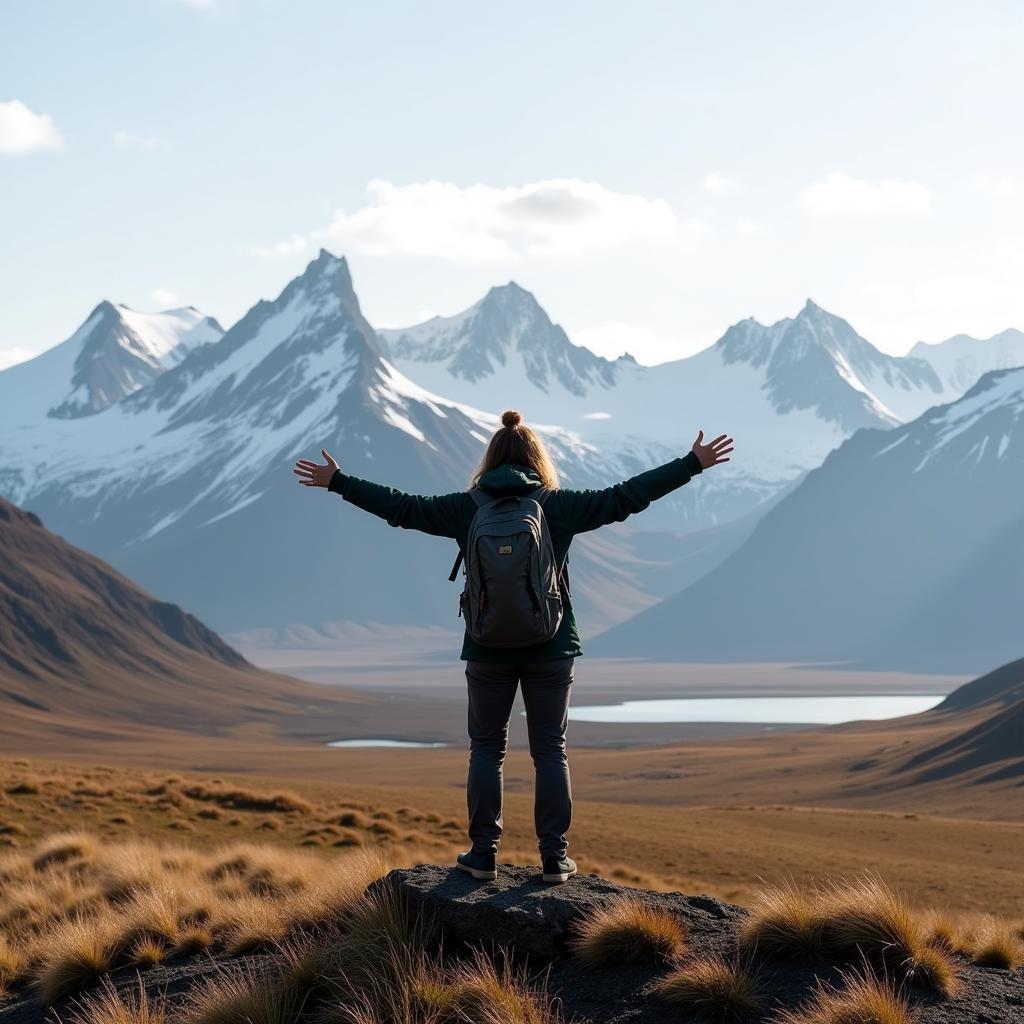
[[519, 912]]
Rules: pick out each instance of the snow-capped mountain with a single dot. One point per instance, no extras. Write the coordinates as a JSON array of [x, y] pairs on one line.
[[817, 361], [505, 335], [116, 351], [789, 392], [187, 483], [961, 360], [905, 549]]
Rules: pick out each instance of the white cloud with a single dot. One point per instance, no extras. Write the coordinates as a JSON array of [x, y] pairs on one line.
[[11, 356], [718, 184], [24, 131], [749, 227], [129, 140], [597, 416], [645, 344], [560, 218], [165, 298], [840, 195]]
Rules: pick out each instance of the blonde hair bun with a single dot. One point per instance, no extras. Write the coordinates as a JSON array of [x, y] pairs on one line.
[[511, 418]]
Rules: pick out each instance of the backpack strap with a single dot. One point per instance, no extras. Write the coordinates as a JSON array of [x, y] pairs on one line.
[[481, 498], [540, 495]]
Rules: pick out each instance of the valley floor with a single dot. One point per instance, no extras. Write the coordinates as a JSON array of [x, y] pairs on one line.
[[720, 849]]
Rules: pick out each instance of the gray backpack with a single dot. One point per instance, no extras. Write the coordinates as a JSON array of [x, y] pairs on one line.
[[514, 594]]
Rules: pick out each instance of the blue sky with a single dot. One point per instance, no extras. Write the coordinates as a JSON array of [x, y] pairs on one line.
[[652, 172]]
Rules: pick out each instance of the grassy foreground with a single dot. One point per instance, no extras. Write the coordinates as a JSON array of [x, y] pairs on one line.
[[75, 909]]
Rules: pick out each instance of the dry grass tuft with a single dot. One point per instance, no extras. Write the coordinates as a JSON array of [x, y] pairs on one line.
[[78, 952], [418, 990], [192, 940], [12, 965], [59, 849], [863, 999], [25, 787], [627, 930], [858, 919], [147, 953], [931, 967], [713, 987], [246, 800], [998, 945], [784, 921], [942, 930], [492, 992], [109, 1006], [241, 996]]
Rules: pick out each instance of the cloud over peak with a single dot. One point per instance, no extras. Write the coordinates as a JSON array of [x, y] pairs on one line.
[[559, 218], [840, 195]]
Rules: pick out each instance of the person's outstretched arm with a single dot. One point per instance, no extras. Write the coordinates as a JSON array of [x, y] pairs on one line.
[[438, 514], [588, 510]]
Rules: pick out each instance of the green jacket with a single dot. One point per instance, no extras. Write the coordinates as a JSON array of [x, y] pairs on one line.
[[568, 512]]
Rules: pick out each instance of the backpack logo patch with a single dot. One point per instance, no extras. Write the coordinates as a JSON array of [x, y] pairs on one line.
[[505, 549]]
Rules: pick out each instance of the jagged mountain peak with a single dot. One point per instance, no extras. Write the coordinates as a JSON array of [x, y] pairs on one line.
[[326, 262], [817, 360], [325, 277], [511, 294], [286, 356], [115, 352], [505, 339]]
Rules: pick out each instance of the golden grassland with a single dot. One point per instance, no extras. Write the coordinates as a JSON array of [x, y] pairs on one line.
[[956, 865], [75, 908]]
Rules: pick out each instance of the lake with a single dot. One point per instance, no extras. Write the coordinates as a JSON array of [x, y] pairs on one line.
[[803, 710], [383, 743]]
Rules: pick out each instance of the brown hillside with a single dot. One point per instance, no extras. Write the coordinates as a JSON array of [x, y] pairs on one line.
[[80, 642], [997, 742], [1004, 685]]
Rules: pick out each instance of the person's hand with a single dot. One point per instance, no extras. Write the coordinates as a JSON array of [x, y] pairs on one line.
[[312, 474], [711, 454]]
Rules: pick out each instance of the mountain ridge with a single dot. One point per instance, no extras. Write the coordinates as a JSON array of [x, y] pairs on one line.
[[864, 543]]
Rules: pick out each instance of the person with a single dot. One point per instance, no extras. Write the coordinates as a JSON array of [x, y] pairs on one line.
[[516, 462]]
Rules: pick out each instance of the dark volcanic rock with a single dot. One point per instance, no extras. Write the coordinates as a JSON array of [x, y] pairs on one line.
[[519, 910]]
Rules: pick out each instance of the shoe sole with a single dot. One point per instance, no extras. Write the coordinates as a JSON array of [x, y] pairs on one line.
[[562, 876], [478, 873]]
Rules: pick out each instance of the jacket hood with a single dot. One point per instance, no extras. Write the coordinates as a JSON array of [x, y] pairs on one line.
[[510, 479]]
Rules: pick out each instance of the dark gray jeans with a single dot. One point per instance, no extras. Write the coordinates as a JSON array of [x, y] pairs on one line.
[[492, 690]]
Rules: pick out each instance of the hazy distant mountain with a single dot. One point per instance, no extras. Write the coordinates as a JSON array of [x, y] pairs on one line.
[[905, 549], [113, 354], [961, 360]]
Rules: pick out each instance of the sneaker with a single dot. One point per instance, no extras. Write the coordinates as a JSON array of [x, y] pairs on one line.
[[479, 865], [559, 869]]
